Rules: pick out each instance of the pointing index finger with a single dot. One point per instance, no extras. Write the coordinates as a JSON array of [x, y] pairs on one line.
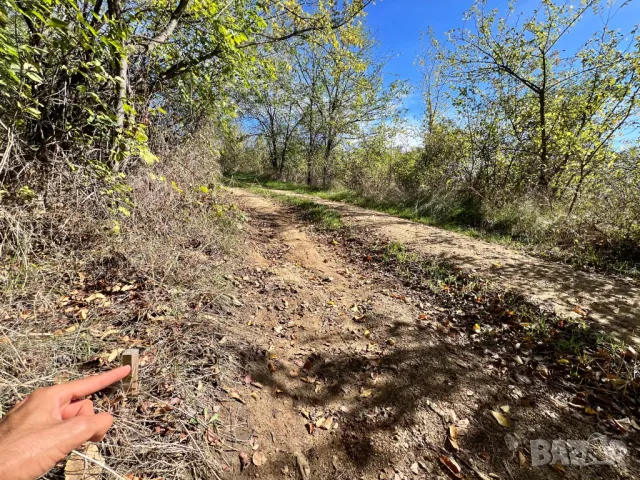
[[87, 386]]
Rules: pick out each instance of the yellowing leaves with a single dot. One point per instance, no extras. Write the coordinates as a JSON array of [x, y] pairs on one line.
[[366, 393], [500, 418], [114, 354]]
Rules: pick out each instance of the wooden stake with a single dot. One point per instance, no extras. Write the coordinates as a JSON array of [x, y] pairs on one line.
[[130, 382]]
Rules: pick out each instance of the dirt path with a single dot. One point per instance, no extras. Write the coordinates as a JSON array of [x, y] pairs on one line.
[[347, 376], [613, 303]]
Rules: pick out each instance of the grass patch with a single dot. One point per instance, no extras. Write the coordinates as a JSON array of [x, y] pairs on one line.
[[320, 215]]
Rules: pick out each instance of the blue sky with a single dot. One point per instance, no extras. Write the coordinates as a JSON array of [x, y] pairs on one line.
[[397, 25]]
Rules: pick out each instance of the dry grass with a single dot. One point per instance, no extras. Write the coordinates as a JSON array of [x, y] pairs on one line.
[[78, 292]]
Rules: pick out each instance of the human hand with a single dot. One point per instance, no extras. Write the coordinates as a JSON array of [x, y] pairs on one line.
[[43, 428]]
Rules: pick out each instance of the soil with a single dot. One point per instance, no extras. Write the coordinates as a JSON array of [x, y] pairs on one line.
[[346, 376], [612, 302]]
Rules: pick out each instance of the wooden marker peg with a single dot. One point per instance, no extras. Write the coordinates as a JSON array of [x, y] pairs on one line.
[[130, 382]]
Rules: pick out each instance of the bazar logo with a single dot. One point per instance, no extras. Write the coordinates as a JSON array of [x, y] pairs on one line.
[[597, 450]]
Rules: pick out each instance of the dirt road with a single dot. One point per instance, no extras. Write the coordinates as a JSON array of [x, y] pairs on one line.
[[347, 376], [611, 302]]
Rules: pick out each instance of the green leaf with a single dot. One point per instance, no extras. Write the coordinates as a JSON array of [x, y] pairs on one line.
[[34, 76], [57, 23], [33, 112]]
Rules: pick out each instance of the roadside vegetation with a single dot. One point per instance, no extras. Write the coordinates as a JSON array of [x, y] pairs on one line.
[[114, 232]]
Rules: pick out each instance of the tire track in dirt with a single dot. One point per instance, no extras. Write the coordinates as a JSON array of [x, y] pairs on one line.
[[613, 303], [321, 338]]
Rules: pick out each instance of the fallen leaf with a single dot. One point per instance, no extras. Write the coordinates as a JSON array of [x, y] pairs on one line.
[[500, 418], [114, 354], [244, 459], [366, 393], [82, 313], [578, 309], [453, 443], [522, 459], [236, 396], [327, 424], [590, 411], [259, 459], [303, 465], [415, 468], [476, 328], [95, 296], [451, 465], [505, 408], [79, 468], [453, 437]]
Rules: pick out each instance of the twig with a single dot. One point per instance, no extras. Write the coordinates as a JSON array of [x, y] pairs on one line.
[[102, 465]]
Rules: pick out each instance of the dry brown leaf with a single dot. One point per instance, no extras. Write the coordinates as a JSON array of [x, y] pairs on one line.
[[366, 393], [244, 459], [451, 465], [114, 354], [303, 465], [522, 459], [259, 459], [236, 396], [95, 296], [327, 424], [78, 468], [500, 418]]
